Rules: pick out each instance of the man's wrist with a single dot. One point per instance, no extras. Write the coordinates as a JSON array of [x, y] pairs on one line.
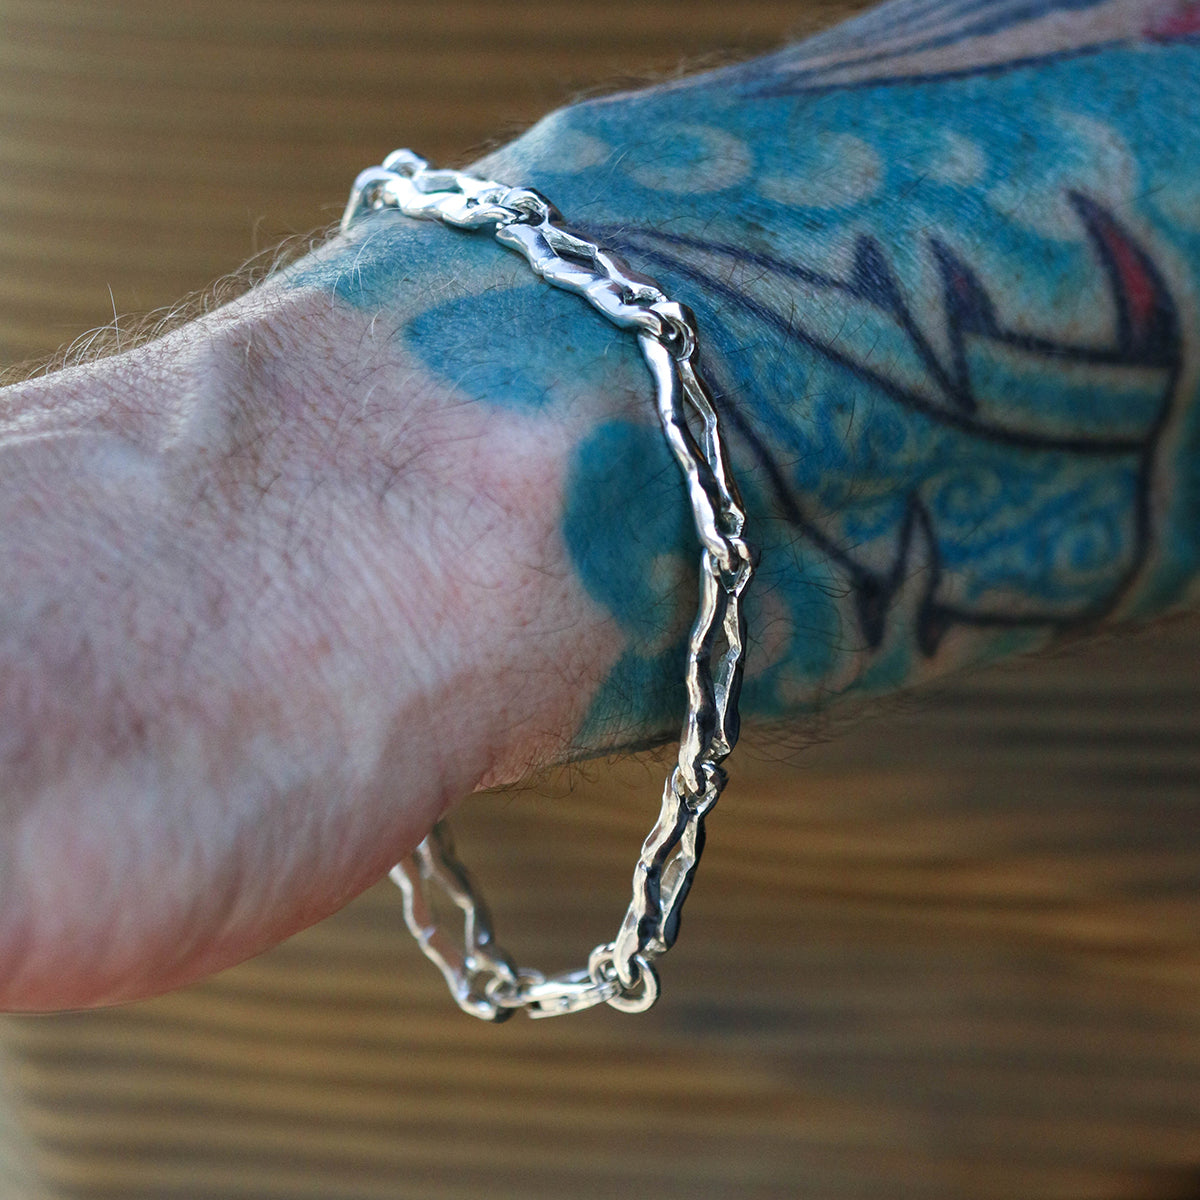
[[269, 573]]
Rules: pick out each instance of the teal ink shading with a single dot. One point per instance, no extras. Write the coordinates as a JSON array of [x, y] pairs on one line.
[[388, 253], [485, 351], [625, 516]]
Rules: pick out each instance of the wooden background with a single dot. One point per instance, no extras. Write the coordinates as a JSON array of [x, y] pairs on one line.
[[953, 953]]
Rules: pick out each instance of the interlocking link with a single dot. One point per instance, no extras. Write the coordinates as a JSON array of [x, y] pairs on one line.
[[621, 973]]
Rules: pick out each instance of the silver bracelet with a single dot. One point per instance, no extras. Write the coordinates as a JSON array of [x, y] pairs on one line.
[[481, 977]]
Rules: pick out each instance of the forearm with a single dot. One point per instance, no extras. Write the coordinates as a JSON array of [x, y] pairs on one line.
[[400, 523], [945, 268]]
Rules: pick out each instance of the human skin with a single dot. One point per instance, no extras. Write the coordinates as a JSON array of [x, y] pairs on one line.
[[283, 585]]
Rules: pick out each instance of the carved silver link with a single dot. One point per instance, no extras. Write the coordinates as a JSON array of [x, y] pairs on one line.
[[621, 973]]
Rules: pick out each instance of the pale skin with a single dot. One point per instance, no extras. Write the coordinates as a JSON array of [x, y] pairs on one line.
[[216, 736], [285, 584]]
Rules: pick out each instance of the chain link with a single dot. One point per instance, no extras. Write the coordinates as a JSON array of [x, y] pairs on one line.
[[621, 973]]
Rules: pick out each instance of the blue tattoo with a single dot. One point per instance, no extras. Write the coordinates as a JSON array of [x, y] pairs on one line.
[[948, 314]]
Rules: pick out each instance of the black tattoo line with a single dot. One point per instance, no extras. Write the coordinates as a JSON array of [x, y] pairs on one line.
[[1147, 334]]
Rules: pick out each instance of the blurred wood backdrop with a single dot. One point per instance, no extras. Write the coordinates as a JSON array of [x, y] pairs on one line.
[[953, 953]]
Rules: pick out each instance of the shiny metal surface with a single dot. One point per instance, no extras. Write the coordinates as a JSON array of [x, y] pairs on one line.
[[621, 973]]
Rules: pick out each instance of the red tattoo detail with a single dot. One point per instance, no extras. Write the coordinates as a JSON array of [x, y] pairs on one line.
[[1140, 293], [1182, 20]]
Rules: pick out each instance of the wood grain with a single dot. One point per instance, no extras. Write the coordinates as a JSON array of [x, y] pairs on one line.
[[150, 147], [950, 953]]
